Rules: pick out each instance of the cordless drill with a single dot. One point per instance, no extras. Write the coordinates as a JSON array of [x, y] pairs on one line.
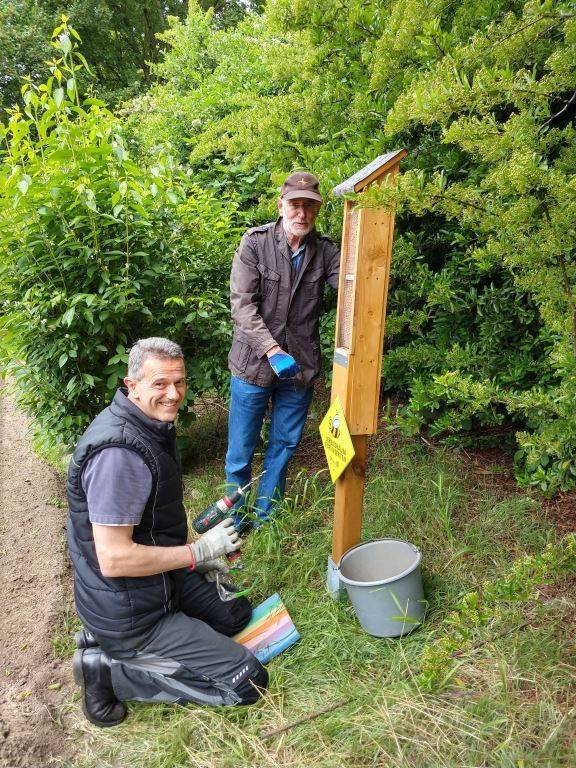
[[220, 510]]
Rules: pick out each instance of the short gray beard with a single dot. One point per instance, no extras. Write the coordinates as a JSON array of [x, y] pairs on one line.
[[291, 231]]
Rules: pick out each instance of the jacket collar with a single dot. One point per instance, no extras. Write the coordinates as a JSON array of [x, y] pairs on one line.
[[281, 241]]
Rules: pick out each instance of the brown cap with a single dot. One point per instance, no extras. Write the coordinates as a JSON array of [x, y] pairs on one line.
[[300, 185]]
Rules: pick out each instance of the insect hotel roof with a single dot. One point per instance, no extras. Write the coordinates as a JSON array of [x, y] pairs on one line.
[[370, 174]]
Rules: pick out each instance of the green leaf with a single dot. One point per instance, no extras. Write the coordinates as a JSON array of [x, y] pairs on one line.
[[112, 381], [64, 44], [24, 183], [68, 316], [174, 300]]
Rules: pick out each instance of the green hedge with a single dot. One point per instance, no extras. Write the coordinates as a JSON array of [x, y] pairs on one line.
[[97, 250]]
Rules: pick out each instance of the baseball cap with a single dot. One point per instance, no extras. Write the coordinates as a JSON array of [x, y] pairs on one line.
[[300, 185]]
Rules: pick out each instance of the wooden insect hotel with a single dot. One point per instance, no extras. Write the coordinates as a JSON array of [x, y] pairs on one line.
[[363, 289]]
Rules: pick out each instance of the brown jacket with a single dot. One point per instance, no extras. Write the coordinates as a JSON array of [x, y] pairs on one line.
[[269, 307]]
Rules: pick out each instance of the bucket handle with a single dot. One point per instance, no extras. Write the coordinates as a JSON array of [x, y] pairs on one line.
[[413, 547]]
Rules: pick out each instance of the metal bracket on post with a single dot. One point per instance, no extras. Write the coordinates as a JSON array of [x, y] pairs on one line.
[[336, 589]]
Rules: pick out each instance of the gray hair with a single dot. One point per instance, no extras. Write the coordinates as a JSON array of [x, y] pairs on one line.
[[155, 346]]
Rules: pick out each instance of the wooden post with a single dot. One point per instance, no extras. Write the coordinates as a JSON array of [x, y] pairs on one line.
[[348, 500], [367, 235]]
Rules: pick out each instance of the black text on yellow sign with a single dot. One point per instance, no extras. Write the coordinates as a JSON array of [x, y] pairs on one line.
[[336, 440]]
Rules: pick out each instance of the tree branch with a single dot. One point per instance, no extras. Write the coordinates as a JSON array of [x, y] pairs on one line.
[[367, 31], [477, 207], [561, 17], [564, 108], [437, 44], [312, 716]]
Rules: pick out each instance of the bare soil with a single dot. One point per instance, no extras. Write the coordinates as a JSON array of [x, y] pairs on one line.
[[35, 687]]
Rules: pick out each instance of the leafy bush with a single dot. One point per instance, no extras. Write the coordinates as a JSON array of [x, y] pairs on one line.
[[97, 251], [500, 102], [476, 610]]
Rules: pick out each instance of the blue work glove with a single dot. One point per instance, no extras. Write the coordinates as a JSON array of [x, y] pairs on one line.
[[284, 365]]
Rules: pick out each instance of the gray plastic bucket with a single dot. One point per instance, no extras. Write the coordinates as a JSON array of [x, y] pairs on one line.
[[383, 580]]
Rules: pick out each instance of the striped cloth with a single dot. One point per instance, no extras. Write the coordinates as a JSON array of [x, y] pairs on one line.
[[270, 630]]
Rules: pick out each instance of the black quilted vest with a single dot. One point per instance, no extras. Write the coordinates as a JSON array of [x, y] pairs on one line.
[[124, 606]]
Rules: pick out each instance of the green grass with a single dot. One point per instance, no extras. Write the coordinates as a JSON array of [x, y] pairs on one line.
[[63, 645], [508, 698]]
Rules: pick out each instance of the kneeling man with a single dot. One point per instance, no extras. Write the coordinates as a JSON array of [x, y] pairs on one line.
[[155, 627]]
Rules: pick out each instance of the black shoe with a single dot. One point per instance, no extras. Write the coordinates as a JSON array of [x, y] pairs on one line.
[[242, 525], [91, 669], [85, 639]]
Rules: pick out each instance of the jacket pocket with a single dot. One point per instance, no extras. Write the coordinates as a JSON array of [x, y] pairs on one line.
[[312, 283], [239, 355], [269, 280]]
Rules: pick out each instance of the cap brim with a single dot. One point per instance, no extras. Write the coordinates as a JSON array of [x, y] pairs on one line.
[[306, 194]]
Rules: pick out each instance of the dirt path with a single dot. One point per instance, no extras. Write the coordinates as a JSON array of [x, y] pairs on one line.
[[35, 689]]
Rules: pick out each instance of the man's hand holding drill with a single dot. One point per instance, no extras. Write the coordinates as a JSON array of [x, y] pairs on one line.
[[220, 540]]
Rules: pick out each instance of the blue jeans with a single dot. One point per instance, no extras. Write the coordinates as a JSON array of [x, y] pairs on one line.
[[248, 404]]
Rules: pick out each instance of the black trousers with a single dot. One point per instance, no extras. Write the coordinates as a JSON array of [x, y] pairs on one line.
[[188, 655]]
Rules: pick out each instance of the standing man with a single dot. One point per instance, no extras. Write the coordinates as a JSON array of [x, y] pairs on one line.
[[276, 289], [155, 627]]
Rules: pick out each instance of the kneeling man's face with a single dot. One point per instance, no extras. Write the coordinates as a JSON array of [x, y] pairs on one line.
[[161, 388]]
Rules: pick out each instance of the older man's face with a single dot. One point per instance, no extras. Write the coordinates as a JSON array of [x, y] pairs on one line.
[[298, 215]]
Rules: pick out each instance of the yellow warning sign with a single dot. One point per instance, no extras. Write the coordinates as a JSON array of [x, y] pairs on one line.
[[336, 440]]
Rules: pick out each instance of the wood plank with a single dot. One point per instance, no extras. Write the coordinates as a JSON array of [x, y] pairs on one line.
[[342, 276], [373, 276], [348, 501], [378, 176], [348, 269], [392, 214], [340, 387]]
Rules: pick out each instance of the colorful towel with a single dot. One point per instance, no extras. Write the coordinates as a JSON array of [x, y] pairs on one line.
[[270, 630]]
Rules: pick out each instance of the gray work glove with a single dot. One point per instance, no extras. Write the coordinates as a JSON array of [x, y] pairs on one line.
[[210, 569], [220, 540]]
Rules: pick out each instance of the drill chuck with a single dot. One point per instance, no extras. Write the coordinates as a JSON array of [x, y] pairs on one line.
[[220, 509]]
